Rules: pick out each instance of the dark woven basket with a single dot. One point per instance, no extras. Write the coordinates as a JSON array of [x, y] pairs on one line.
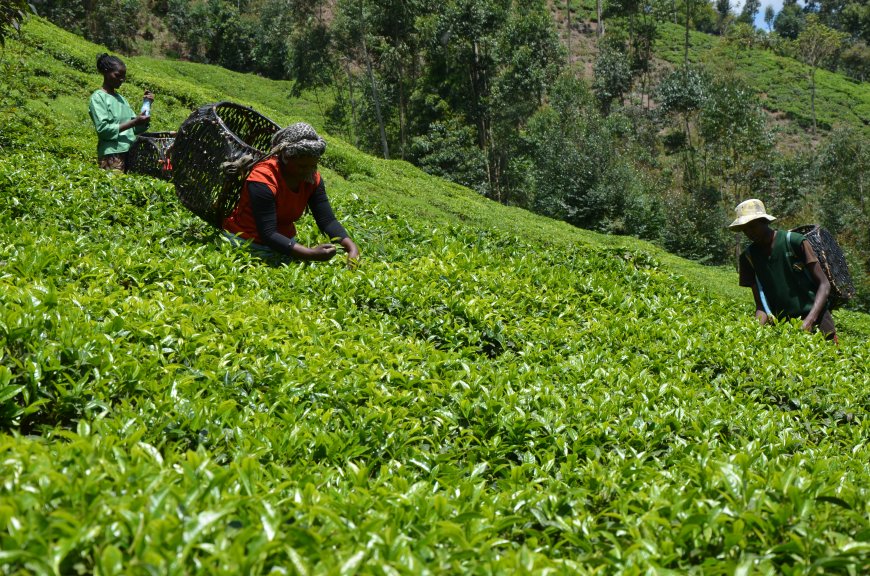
[[832, 261], [212, 135], [149, 155]]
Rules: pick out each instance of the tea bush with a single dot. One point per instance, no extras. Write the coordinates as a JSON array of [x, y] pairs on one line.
[[490, 392]]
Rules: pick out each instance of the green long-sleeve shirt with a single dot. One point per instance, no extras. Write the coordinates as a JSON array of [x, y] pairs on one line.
[[108, 112]]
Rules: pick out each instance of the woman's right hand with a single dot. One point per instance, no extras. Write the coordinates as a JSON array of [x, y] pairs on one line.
[[322, 252]]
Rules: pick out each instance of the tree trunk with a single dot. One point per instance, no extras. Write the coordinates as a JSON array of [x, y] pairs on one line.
[[477, 91], [403, 135], [688, 17], [600, 17], [568, 18], [813, 96], [386, 148], [352, 103]]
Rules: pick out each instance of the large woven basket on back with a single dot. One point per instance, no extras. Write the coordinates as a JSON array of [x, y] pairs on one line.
[[149, 154], [832, 261], [212, 135]]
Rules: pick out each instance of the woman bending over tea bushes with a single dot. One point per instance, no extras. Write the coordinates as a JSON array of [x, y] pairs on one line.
[[276, 193], [116, 123]]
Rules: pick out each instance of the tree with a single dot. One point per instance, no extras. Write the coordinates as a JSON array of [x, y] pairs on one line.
[[682, 93], [769, 15], [612, 77], [743, 35], [114, 23], [448, 150], [856, 19], [850, 16], [12, 13], [375, 97], [855, 61], [690, 5], [723, 11], [843, 165], [817, 45], [844, 168], [735, 135], [394, 46], [463, 61], [569, 152], [750, 9], [790, 20], [528, 59]]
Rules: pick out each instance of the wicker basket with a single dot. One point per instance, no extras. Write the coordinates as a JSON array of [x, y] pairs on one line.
[[212, 135], [149, 155], [832, 261]]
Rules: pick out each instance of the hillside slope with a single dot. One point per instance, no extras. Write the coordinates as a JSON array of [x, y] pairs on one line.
[[490, 392], [781, 82]]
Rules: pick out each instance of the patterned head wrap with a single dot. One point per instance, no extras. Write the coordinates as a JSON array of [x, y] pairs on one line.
[[298, 139], [295, 140]]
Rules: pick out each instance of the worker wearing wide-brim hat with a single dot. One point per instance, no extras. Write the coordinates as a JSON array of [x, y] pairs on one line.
[[783, 271]]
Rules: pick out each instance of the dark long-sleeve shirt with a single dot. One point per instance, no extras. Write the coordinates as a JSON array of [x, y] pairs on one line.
[[266, 218]]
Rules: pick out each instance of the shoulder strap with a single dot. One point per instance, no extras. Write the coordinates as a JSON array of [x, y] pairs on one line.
[[748, 254]]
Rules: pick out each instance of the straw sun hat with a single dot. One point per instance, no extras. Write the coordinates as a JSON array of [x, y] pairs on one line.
[[748, 211]]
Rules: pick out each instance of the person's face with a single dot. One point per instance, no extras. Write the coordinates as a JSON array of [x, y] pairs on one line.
[[116, 77], [301, 168], [755, 230]]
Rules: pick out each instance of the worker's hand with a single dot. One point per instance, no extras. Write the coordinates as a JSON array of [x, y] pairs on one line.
[[809, 322], [761, 316], [141, 119], [149, 95], [352, 253], [323, 252]]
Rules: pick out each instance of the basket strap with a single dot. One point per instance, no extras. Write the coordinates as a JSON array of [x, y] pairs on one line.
[[763, 298], [758, 284]]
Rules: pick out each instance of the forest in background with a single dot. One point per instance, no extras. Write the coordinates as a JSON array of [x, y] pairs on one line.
[[606, 115]]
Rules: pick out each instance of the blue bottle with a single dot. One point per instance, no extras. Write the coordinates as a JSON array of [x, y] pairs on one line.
[[146, 107]]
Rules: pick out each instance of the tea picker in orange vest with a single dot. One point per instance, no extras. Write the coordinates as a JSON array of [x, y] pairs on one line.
[[276, 192], [783, 272], [114, 120]]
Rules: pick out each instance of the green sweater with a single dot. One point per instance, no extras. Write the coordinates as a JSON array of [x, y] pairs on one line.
[[108, 112]]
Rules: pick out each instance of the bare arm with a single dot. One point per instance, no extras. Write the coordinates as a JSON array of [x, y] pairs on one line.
[[760, 314], [822, 293]]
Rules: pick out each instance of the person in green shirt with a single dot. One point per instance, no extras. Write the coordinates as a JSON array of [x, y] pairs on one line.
[[114, 120], [783, 271]]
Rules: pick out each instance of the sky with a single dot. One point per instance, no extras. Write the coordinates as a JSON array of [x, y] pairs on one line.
[[737, 6]]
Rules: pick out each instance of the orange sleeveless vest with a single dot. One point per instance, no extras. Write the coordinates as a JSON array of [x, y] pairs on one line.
[[289, 204]]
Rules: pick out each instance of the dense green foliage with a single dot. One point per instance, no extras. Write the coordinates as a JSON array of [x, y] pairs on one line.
[[491, 392], [12, 13], [474, 91]]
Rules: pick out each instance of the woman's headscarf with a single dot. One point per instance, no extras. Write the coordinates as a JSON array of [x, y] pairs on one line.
[[298, 139]]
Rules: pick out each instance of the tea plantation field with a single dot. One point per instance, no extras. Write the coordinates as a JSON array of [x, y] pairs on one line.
[[490, 392]]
